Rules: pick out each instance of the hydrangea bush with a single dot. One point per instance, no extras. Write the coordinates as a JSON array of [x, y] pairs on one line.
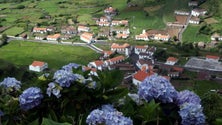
[[30, 98], [74, 96], [10, 82], [157, 87], [107, 115]]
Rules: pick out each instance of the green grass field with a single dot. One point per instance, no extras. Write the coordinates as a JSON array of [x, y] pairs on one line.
[[13, 31], [23, 53], [191, 35], [200, 87]]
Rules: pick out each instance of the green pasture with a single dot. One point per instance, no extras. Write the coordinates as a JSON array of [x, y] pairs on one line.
[[13, 31], [23, 53], [198, 86], [191, 34]]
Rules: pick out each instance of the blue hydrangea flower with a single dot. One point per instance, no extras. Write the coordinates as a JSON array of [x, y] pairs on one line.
[[70, 67], [157, 87], [30, 98], [55, 90], [116, 118], [1, 113], [187, 96], [192, 114], [108, 116], [95, 117], [64, 78], [108, 108], [10, 82]]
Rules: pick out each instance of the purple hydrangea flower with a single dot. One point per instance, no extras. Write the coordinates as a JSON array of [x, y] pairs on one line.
[[1, 113], [30, 98], [64, 78], [157, 87], [107, 115], [192, 114], [70, 67], [55, 90], [10, 82], [187, 96]]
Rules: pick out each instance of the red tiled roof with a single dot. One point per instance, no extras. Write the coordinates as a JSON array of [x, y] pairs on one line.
[[87, 35], [178, 69], [141, 47], [56, 36], [108, 52], [88, 68], [115, 45], [98, 62], [212, 57], [141, 75], [117, 58], [39, 29], [172, 59], [38, 63]]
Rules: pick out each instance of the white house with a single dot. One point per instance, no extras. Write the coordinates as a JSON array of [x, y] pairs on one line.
[[139, 49], [93, 71], [198, 12], [119, 22], [120, 30], [194, 20], [110, 10], [83, 29], [180, 12], [39, 30], [143, 36], [103, 19], [53, 37], [216, 37], [145, 55], [40, 37], [114, 60], [122, 35], [171, 61], [98, 64], [147, 64], [212, 58], [86, 37], [68, 30], [38, 66], [162, 37], [107, 53], [122, 49], [103, 23], [158, 35], [139, 76]]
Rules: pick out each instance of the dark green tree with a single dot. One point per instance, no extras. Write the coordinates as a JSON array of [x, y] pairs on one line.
[[212, 103]]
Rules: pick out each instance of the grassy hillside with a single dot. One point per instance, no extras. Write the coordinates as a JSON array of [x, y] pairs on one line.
[[150, 14], [23, 53], [211, 23]]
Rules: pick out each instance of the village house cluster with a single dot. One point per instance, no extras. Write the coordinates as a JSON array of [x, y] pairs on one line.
[[137, 62]]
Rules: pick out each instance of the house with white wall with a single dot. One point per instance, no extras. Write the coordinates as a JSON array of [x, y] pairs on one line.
[[98, 64], [38, 66], [171, 61]]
